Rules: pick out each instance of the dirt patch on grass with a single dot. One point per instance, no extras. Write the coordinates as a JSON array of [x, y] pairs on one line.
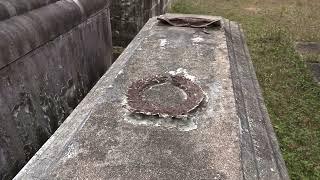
[[252, 9]]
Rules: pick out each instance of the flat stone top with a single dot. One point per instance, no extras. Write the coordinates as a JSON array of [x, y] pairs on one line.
[[102, 139]]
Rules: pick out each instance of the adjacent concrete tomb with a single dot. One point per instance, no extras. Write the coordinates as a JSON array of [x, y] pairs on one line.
[[51, 54], [181, 102], [129, 16]]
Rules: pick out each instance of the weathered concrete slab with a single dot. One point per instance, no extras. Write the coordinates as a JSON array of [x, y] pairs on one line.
[[228, 136], [308, 48], [50, 57], [310, 51], [315, 70], [260, 154]]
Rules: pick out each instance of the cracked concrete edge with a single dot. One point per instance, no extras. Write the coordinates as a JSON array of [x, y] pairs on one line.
[[260, 152]]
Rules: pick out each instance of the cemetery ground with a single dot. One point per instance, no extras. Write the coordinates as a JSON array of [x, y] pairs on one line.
[[272, 28]]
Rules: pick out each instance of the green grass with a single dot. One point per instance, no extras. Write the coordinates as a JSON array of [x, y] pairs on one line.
[[312, 58], [291, 96]]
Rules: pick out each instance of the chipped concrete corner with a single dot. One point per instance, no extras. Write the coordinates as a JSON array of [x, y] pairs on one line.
[[229, 136]]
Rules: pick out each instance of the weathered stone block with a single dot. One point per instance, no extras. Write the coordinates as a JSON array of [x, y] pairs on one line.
[[228, 135]]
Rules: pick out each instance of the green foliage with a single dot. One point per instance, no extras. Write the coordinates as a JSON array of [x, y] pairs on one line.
[[291, 96], [312, 58]]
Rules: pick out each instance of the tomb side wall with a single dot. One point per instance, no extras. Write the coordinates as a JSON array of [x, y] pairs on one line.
[[129, 16], [50, 57]]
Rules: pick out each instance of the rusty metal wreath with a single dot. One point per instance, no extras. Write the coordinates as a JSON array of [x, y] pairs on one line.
[[189, 22], [137, 104]]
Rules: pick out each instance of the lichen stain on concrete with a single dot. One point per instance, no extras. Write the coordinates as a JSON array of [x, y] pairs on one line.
[[197, 40], [183, 72], [163, 43], [24, 105], [72, 151], [185, 124], [119, 73]]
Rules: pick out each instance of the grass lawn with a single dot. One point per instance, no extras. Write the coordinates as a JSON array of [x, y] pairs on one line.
[[292, 98]]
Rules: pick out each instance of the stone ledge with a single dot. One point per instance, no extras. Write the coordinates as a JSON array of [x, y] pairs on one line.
[[260, 152], [229, 137]]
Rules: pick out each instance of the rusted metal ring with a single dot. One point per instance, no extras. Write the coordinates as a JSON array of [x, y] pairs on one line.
[[138, 104], [189, 22]]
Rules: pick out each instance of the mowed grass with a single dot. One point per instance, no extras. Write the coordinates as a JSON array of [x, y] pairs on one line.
[[291, 96]]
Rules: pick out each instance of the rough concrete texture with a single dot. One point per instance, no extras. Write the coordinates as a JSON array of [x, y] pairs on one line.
[[308, 48], [229, 137], [21, 34], [315, 70], [49, 60], [129, 16], [9, 8], [260, 154]]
